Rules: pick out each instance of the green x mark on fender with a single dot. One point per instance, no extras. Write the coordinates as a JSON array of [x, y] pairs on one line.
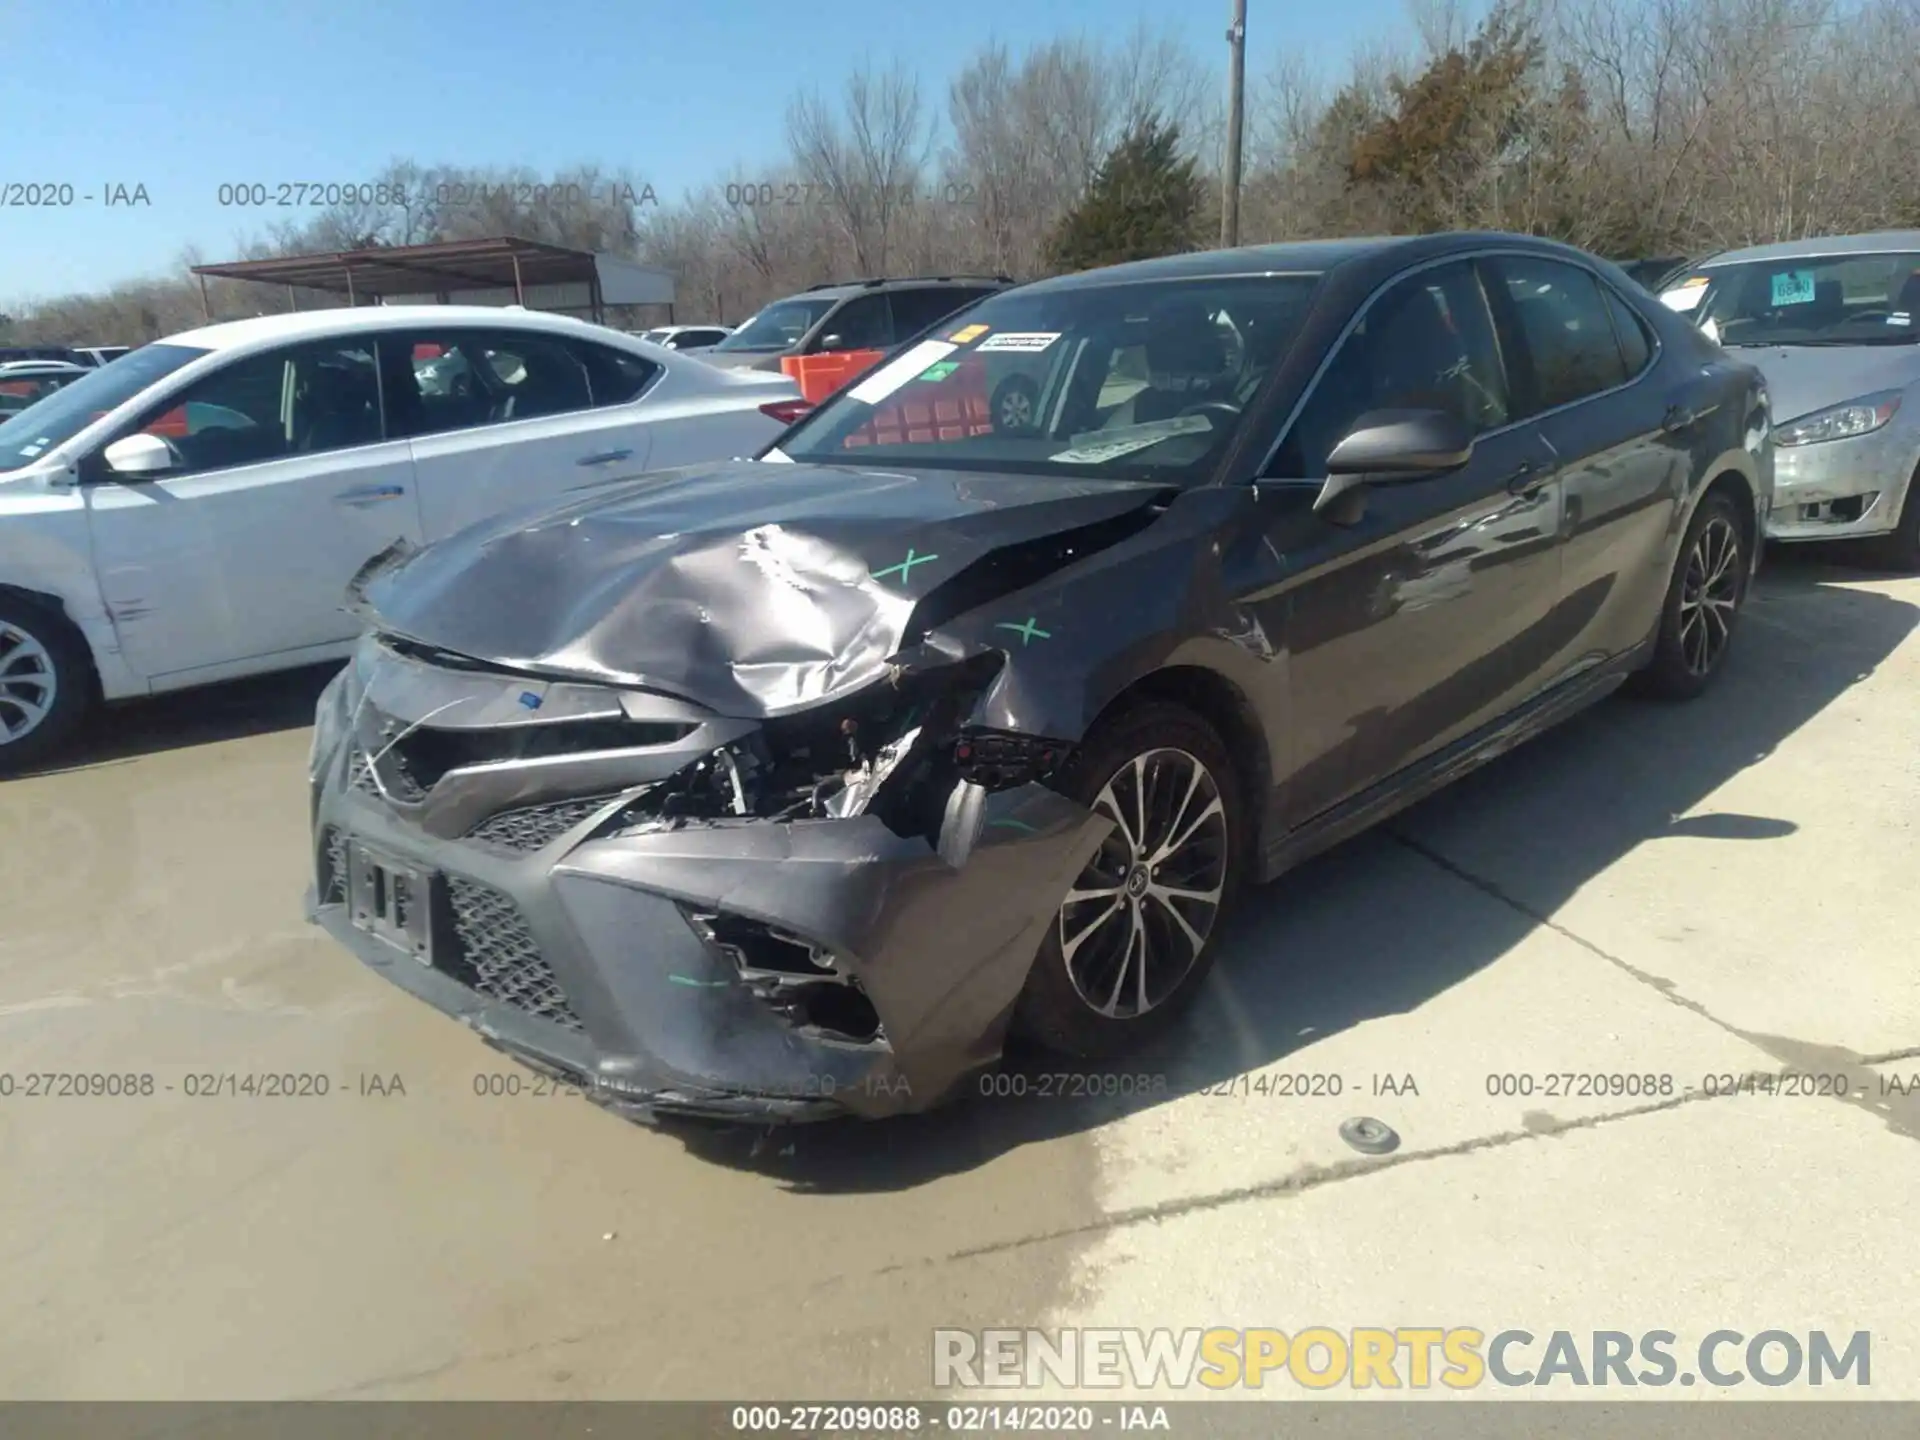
[[905, 568], [1028, 633]]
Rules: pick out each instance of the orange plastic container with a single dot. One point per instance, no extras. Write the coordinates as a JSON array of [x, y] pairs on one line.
[[904, 417], [821, 375]]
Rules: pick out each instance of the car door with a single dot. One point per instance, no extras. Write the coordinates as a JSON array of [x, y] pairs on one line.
[[1418, 623], [1585, 366], [284, 484], [503, 418]]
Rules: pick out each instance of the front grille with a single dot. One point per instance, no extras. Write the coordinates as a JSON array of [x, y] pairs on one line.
[[423, 754], [495, 954], [534, 826], [401, 784]]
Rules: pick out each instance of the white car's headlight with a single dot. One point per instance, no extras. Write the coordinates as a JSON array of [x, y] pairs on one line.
[[1840, 422]]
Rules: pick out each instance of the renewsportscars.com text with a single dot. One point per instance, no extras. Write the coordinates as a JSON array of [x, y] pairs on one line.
[[1401, 1357]]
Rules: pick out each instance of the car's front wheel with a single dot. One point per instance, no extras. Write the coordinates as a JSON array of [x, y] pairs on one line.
[[1703, 602], [44, 689], [1135, 935], [1901, 549]]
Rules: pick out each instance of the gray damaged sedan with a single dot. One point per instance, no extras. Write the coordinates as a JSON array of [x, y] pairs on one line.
[[1834, 325], [793, 786]]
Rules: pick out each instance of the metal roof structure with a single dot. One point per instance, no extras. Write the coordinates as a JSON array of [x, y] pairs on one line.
[[503, 270]]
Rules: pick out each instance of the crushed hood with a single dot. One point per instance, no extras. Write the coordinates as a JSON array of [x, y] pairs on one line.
[[754, 589], [1805, 378]]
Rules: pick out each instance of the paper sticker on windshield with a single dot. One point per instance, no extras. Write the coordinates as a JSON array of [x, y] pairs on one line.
[[1686, 295], [1138, 437], [890, 377], [1793, 287], [970, 333], [1031, 341], [1899, 317], [942, 370]]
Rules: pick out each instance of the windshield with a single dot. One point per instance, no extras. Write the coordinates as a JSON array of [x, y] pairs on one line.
[[778, 326], [1128, 382], [1815, 300], [62, 415]]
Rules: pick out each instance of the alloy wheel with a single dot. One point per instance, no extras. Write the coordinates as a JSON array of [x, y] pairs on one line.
[[1709, 595], [1016, 410], [1140, 913], [29, 683]]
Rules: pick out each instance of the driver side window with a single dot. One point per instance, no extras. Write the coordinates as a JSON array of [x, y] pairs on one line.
[[1428, 343], [275, 406]]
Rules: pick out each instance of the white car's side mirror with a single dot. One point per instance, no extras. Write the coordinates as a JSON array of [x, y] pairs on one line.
[[138, 456]]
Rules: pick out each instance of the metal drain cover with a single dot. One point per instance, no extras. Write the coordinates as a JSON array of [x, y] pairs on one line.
[[1369, 1136]]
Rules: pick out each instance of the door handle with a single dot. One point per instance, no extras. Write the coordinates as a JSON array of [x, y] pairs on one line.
[[369, 495], [605, 457]]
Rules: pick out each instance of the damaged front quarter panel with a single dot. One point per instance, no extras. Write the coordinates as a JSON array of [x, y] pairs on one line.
[[844, 900]]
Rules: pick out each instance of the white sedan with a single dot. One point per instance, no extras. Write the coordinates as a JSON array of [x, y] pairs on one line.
[[194, 511]]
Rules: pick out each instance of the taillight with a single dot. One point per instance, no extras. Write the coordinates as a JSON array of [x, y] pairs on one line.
[[786, 411]]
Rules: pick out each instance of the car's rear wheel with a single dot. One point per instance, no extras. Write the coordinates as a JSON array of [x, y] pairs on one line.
[[1703, 603], [45, 686], [1135, 935]]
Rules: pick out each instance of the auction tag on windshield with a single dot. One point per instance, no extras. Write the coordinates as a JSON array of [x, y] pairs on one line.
[[1031, 341], [1793, 287], [970, 333], [889, 378]]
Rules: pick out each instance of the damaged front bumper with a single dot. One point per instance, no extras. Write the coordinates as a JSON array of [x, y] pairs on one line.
[[1843, 489], [602, 885]]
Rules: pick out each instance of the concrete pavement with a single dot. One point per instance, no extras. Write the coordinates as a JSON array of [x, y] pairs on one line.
[[1672, 894]]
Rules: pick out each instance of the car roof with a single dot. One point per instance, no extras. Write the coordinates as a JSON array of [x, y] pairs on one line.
[[901, 282], [352, 320], [42, 367], [1871, 243], [1306, 257]]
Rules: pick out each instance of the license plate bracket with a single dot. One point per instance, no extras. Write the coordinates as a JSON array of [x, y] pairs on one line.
[[391, 901]]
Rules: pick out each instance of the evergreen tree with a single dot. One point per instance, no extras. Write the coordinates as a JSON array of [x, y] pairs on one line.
[[1146, 200]]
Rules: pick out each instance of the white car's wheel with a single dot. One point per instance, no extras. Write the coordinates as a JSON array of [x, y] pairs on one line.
[[45, 687]]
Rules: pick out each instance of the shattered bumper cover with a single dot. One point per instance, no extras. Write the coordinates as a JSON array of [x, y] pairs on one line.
[[560, 889]]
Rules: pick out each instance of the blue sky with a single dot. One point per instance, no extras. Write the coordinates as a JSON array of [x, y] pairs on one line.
[[182, 96]]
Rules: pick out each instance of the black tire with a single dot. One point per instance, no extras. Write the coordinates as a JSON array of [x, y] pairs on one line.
[[1156, 740], [1901, 550], [46, 683], [1015, 407], [1701, 610]]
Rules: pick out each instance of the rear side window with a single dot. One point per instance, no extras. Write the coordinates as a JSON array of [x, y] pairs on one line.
[[917, 310], [461, 379], [1564, 324], [614, 376], [1636, 347]]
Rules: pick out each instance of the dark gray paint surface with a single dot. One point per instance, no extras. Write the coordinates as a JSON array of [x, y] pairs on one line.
[[1348, 666]]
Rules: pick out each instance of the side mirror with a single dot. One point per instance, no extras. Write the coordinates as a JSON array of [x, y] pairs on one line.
[[137, 457], [833, 342], [1390, 447]]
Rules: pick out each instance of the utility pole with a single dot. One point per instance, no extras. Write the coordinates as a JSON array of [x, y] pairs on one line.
[[1236, 122]]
